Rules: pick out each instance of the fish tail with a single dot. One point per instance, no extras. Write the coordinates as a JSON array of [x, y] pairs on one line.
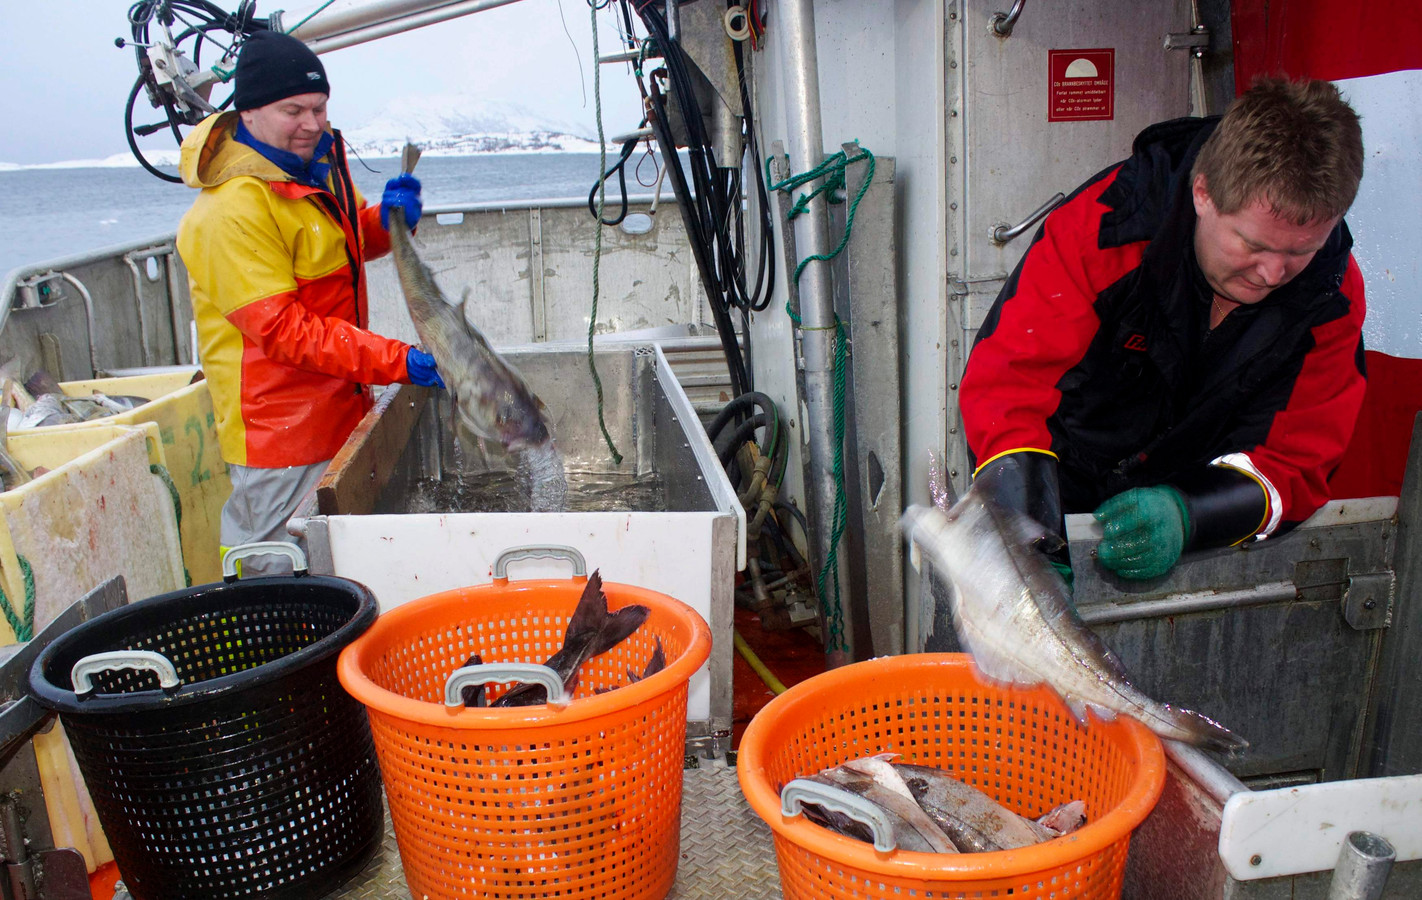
[[408, 157], [591, 610], [1202, 731]]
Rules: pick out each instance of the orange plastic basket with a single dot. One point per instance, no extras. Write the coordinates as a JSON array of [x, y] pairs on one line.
[[1021, 747], [582, 802]]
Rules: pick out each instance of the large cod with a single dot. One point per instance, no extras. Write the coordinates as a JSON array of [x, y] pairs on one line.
[[491, 398], [1011, 612]]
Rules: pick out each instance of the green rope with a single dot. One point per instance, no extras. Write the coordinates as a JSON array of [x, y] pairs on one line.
[[167, 479], [24, 628], [310, 16], [832, 171], [597, 235]]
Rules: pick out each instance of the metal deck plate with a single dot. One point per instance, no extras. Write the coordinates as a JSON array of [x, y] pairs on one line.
[[726, 850]]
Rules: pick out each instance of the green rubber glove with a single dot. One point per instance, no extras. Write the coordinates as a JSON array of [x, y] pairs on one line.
[[1145, 531], [1064, 570]]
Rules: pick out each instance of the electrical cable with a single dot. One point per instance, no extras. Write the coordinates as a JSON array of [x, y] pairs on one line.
[[709, 194]]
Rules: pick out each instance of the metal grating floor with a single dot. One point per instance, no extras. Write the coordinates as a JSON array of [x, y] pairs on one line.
[[726, 850]]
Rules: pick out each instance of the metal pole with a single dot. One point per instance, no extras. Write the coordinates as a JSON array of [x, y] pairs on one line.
[[367, 23], [1363, 867], [806, 146]]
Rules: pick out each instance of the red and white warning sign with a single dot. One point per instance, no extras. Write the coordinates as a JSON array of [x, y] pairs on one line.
[[1082, 85]]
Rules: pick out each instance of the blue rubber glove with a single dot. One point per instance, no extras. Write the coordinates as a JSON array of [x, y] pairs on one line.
[[1145, 531], [422, 369], [403, 191]]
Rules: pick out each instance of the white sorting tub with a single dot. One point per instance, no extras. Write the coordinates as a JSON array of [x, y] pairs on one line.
[[408, 511]]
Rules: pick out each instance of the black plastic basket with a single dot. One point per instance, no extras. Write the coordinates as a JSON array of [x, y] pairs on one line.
[[256, 776]]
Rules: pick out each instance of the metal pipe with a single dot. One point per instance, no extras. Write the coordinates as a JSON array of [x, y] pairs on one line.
[[1211, 777], [89, 318], [323, 37], [817, 319], [1003, 233], [1180, 604], [144, 351], [1364, 864], [1003, 23], [673, 20]]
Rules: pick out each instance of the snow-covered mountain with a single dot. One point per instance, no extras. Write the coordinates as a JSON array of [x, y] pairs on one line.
[[443, 125], [463, 125]]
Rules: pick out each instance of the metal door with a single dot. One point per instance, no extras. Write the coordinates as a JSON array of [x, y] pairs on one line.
[[1035, 112]]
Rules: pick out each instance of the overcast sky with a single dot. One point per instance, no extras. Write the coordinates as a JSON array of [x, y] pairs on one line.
[[63, 83]]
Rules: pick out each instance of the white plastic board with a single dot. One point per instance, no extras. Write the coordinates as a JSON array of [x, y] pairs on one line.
[[1296, 830]]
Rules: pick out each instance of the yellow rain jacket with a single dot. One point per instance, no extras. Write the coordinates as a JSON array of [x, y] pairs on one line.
[[277, 277]]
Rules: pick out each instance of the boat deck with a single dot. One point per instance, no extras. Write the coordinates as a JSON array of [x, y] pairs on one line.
[[726, 850]]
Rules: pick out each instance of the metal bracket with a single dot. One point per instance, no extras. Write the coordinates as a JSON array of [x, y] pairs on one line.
[[1367, 603], [1196, 40]]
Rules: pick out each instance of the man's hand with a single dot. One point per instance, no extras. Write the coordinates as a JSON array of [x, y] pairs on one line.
[[422, 369], [1145, 531], [402, 191]]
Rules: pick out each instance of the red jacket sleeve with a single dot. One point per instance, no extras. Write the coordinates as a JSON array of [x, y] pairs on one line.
[[288, 332], [1307, 437], [373, 235], [1042, 329]]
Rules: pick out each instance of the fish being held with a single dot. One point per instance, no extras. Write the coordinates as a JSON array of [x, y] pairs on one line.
[[1011, 612], [492, 400], [591, 631]]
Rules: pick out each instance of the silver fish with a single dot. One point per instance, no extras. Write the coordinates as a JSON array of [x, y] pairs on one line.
[[971, 818], [48, 409], [913, 829], [492, 400], [1011, 612]]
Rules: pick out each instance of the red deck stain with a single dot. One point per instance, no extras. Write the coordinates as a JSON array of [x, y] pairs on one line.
[[792, 656]]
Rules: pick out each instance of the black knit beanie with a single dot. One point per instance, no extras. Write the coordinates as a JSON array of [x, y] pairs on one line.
[[272, 66]]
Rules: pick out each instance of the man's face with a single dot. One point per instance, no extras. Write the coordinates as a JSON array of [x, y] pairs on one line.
[[294, 124], [1247, 254]]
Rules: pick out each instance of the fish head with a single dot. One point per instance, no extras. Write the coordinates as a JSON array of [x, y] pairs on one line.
[[520, 418]]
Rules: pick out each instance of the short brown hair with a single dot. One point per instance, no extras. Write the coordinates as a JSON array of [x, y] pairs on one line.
[[1295, 145]]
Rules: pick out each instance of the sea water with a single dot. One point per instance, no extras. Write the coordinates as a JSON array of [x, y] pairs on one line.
[[547, 482], [510, 490], [48, 214]]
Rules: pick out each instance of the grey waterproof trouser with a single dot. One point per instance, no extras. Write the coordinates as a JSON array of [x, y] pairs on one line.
[[261, 503]]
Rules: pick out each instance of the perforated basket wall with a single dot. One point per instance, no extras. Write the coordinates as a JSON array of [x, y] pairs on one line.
[[258, 777], [1021, 747], [580, 803]]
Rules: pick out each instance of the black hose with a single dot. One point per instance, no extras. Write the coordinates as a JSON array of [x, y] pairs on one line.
[[735, 406], [620, 167], [744, 432]]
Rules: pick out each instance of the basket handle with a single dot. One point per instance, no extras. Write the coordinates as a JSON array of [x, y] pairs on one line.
[[82, 675], [802, 791], [242, 551], [498, 673], [549, 551]]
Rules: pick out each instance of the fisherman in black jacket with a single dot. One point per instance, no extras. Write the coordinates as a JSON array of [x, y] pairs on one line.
[[1180, 350]]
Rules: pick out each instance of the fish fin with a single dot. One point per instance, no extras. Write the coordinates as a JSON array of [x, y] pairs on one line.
[[1104, 713], [1078, 709], [618, 627], [657, 662], [591, 610]]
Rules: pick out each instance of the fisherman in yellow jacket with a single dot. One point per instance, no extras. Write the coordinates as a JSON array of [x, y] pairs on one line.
[[275, 247]]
